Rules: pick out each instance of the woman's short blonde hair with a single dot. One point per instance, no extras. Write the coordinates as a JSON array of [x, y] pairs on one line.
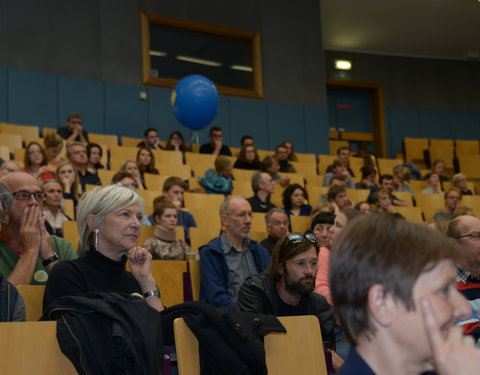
[[99, 202]]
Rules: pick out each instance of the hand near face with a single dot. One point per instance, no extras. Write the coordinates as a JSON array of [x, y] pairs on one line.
[[454, 354], [218, 144], [30, 234], [141, 266], [45, 243], [284, 181]]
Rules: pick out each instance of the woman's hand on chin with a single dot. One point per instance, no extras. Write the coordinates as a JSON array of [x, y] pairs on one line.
[[141, 266]]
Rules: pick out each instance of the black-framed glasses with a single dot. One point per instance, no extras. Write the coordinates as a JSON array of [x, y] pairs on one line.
[[299, 237], [25, 196], [4, 217], [475, 236]]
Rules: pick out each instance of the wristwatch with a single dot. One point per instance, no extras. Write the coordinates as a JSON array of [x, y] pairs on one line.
[[46, 262], [154, 292]]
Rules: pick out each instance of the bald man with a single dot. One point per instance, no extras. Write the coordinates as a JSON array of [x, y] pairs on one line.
[[27, 251], [228, 260], [465, 231]]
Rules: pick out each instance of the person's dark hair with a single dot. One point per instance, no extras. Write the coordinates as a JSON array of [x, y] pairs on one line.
[[287, 194], [242, 154], [215, 129], [150, 168], [385, 177], [89, 150], [322, 218], [342, 148], [359, 205], [120, 175], [172, 181], [244, 138], [351, 213], [280, 146], [160, 204], [73, 115], [283, 251], [145, 133], [452, 189], [266, 163], [292, 156], [183, 147], [26, 160], [393, 254], [334, 191], [367, 171]]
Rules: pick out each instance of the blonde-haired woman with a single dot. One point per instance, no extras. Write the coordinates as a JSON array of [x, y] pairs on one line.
[[109, 225]]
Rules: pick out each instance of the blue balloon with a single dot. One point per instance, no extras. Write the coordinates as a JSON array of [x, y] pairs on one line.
[[195, 101]]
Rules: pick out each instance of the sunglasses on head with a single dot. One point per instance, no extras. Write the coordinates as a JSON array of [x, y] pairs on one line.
[[299, 237]]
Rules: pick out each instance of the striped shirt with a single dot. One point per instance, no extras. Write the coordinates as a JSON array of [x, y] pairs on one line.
[[469, 286], [240, 265]]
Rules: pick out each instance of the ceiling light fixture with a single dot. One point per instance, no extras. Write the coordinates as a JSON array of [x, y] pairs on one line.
[[343, 65], [198, 61]]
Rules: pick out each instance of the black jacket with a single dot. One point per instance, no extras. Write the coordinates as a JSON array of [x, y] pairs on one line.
[[230, 342], [258, 294], [108, 333]]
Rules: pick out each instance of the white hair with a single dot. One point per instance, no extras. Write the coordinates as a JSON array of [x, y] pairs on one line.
[[99, 202]]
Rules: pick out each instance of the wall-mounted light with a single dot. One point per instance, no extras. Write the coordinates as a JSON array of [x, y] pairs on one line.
[[343, 65]]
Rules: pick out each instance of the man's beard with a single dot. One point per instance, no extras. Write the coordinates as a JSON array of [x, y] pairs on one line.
[[297, 288]]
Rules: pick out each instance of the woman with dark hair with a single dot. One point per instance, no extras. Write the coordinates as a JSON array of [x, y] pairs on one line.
[[176, 143], [291, 152], [145, 163], [94, 154], [248, 158], [293, 201], [35, 162], [369, 175]]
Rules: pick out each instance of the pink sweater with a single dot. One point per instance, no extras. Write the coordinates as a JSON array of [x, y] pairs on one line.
[[321, 283]]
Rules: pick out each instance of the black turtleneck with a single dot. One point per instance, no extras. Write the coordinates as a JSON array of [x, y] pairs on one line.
[[92, 272]]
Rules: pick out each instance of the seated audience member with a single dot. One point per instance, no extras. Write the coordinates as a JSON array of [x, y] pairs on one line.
[[333, 182], [74, 131], [286, 288], [35, 162], [77, 155], [369, 175], [386, 182], [277, 226], [125, 179], [433, 184], [294, 197], [401, 179], [218, 181], [67, 175], [12, 307], [150, 140], [173, 189], [271, 166], [465, 231], [9, 166], [339, 170], [53, 144], [94, 155], [362, 152], [176, 143], [164, 244], [363, 207], [131, 167], [461, 211], [228, 260], [439, 224], [459, 180], [247, 159], [342, 153], [394, 293], [52, 207], [27, 252], [215, 146], [263, 187], [291, 152], [247, 140], [145, 164], [383, 200], [322, 207], [340, 222], [320, 227], [108, 227], [438, 167], [281, 153], [452, 201], [337, 196]]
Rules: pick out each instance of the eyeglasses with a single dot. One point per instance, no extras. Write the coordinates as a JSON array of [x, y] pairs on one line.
[[475, 236], [25, 196], [299, 237], [4, 217]]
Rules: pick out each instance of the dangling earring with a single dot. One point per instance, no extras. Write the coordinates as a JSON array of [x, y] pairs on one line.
[[96, 238]]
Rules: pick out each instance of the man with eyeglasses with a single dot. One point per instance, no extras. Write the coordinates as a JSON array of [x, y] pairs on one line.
[[226, 261], [215, 146], [465, 231], [27, 251], [453, 197], [286, 288]]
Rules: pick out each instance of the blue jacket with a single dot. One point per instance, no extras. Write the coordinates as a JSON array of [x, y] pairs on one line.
[[214, 271]]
